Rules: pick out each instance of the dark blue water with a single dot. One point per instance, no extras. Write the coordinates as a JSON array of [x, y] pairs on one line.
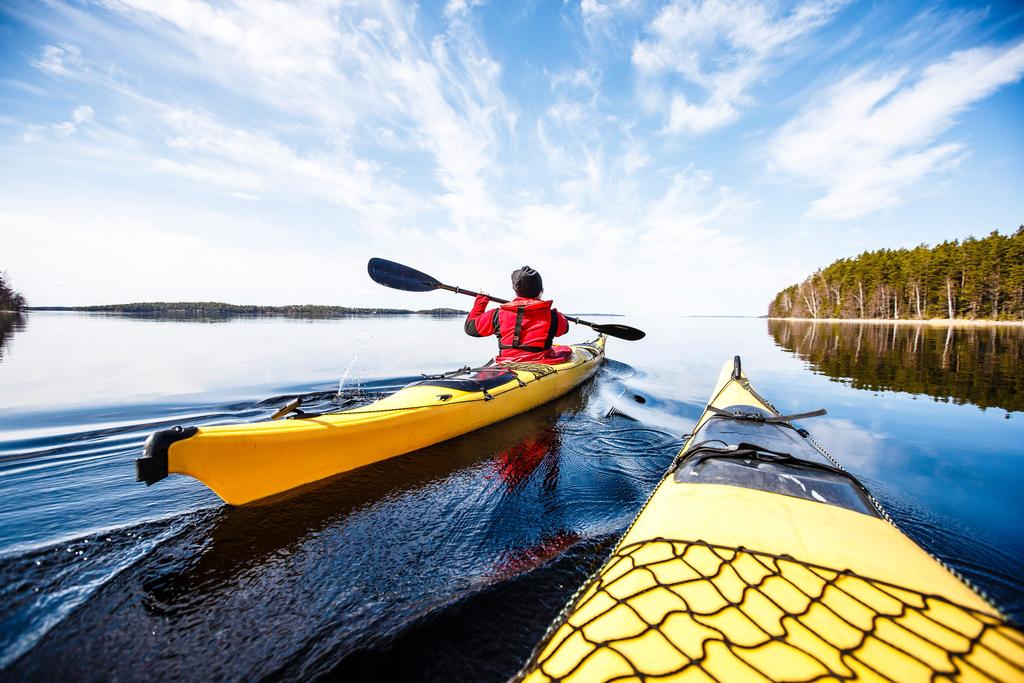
[[446, 563]]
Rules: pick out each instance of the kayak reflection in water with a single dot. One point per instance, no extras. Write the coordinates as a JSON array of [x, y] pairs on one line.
[[546, 549], [525, 327], [515, 465]]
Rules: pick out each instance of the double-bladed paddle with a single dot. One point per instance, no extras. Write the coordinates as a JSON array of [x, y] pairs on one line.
[[397, 276]]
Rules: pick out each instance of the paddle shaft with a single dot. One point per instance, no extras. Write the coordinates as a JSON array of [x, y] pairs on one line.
[[459, 290]]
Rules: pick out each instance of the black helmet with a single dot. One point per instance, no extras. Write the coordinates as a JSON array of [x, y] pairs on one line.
[[527, 282]]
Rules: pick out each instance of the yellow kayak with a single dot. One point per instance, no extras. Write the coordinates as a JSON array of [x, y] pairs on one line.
[[245, 462], [757, 558]]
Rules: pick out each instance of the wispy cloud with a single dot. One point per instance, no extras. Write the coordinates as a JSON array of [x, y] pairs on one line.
[[871, 138], [79, 115], [600, 11], [580, 79], [58, 59], [720, 48], [38, 132], [250, 163], [356, 72]]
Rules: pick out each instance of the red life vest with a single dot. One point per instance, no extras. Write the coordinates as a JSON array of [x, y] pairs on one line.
[[525, 329], [526, 325]]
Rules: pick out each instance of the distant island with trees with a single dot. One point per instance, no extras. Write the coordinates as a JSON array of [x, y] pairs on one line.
[[220, 309], [12, 301], [973, 279]]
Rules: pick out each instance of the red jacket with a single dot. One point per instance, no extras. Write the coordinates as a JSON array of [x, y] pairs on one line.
[[525, 329]]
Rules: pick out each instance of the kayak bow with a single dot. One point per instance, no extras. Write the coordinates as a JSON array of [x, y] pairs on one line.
[[758, 558], [246, 462]]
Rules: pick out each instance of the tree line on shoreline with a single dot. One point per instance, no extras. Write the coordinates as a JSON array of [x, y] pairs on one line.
[[219, 309], [10, 300], [975, 279]]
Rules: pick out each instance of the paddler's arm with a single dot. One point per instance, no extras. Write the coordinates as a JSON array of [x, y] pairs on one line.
[[480, 323], [562, 324]]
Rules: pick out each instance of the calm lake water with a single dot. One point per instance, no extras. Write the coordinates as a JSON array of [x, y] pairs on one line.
[[449, 562]]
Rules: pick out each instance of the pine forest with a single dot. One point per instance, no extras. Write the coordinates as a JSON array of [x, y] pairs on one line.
[[974, 279]]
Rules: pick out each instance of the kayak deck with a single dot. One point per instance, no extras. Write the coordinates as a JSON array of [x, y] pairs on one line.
[[783, 573], [672, 608], [245, 462]]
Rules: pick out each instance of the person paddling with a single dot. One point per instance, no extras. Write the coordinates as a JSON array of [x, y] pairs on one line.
[[525, 327]]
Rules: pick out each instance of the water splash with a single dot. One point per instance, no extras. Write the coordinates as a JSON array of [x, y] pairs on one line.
[[341, 394]]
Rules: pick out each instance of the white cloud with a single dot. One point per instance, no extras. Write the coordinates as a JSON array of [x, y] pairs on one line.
[[457, 7], [593, 8], [595, 11], [79, 115], [608, 24], [276, 39], [721, 48], [39, 132], [868, 140], [566, 113], [58, 59], [689, 118], [585, 79], [634, 159]]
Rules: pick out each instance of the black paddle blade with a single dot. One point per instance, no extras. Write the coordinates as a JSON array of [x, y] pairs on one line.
[[620, 332], [397, 276]]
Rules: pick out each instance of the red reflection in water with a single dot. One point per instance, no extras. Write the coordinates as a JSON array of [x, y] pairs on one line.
[[517, 464]]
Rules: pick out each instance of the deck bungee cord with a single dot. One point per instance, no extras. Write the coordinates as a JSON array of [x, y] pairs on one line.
[[804, 631]]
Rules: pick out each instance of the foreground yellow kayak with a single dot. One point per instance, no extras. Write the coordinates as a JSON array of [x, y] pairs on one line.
[[758, 559], [246, 462]]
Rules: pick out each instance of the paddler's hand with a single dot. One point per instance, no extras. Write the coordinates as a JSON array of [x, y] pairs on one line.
[[479, 305]]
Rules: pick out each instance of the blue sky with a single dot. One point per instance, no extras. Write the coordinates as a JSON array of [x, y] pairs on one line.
[[680, 157]]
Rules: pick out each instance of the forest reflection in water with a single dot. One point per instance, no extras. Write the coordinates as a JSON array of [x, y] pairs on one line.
[[9, 324], [976, 364]]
